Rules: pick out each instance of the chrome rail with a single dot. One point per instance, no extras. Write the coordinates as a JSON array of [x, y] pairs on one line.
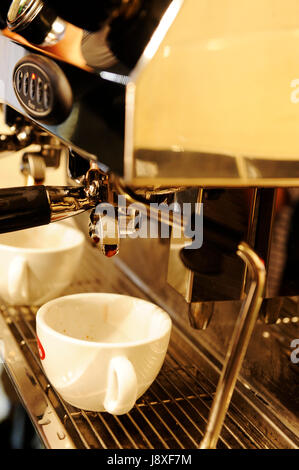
[[238, 345]]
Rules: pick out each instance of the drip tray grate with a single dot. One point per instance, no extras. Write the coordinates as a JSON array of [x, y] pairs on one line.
[[172, 414]]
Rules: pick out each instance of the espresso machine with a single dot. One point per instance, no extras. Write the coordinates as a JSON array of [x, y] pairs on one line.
[[166, 102]]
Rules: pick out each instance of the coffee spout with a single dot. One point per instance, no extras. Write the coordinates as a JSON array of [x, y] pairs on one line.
[[104, 230]]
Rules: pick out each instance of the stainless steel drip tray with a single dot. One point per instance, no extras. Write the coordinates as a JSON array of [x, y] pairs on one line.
[[171, 415]]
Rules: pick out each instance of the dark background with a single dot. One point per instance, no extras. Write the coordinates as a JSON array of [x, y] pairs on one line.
[[16, 431]]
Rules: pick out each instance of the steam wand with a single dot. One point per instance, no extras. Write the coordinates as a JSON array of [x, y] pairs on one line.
[[238, 346]]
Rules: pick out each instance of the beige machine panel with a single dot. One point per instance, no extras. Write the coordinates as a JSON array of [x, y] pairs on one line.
[[215, 98]]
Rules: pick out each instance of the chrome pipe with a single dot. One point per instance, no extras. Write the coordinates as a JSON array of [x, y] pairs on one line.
[[238, 345]]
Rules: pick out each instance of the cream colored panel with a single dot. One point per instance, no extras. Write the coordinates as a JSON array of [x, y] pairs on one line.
[[224, 80]]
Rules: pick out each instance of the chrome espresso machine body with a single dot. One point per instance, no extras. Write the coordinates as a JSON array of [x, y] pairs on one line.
[[173, 102]]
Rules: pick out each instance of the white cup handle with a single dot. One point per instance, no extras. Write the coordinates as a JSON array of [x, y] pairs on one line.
[[18, 286], [121, 392]]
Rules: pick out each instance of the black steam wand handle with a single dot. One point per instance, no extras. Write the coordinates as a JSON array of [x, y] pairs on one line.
[[31, 206]]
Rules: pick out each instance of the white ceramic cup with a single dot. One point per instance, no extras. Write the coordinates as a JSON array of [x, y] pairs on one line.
[[102, 351], [37, 264]]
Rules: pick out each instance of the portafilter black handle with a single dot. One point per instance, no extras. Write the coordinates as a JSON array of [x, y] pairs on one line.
[[31, 206], [4, 7]]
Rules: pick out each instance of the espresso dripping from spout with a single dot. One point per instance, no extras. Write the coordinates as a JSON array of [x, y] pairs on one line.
[[103, 231]]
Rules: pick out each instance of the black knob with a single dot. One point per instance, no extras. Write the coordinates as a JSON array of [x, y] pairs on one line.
[[43, 89], [35, 21]]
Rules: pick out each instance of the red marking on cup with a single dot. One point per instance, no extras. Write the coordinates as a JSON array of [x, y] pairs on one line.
[[41, 350]]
